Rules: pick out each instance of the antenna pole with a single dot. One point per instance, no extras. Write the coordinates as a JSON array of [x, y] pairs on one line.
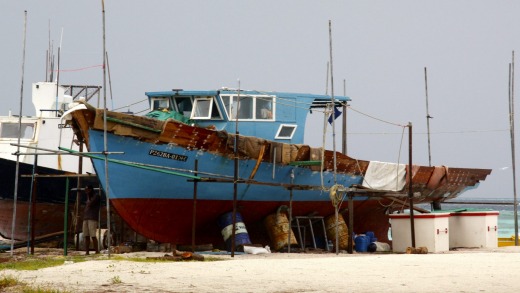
[[428, 117], [15, 198]]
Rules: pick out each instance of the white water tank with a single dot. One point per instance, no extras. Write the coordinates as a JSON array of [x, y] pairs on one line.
[[474, 229], [431, 231]]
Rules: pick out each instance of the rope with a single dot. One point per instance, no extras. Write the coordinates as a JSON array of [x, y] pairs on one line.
[[438, 132], [398, 160], [335, 196], [79, 69], [375, 118], [143, 100]]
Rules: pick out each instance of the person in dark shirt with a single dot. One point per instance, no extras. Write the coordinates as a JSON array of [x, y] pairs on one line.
[[90, 218]]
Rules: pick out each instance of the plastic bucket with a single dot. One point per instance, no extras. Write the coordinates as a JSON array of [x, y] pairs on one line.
[[277, 226], [330, 226], [361, 242], [226, 224]]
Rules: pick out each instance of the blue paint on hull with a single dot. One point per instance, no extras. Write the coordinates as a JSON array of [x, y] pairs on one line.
[[130, 182]]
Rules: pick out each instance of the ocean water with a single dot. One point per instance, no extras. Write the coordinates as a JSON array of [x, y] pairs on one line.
[[506, 218]]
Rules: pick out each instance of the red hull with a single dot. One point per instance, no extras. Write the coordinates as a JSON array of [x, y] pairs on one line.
[[170, 221], [48, 218]]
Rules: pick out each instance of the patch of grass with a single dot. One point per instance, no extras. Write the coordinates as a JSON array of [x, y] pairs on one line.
[[38, 289], [8, 281], [35, 263], [116, 280]]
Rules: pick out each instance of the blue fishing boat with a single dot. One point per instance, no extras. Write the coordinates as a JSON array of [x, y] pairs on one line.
[[177, 165]]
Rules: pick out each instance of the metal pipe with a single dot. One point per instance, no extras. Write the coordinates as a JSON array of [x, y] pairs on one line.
[[344, 122], [428, 117], [512, 134], [30, 220], [105, 142], [194, 214], [410, 189], [290, 213], [235, 175], [78, 198], [13, 227], [66, 218], [34, 197], [350, 222], [333, 103]]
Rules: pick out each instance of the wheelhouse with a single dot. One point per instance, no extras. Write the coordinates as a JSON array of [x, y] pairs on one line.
[[271, 115]]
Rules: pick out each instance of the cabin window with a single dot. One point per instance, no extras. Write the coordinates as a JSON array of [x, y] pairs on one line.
[[264, 108], [10, 130], [160, 104], [183, 105], [285, 131], [205, 108], [249, 107]]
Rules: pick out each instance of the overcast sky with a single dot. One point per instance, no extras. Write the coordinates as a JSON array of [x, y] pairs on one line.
[[380, 48]]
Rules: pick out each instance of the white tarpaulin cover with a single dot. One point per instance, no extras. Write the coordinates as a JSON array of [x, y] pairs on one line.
[[385, 176]]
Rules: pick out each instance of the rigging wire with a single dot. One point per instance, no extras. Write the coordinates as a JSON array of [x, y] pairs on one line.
[[375, 118], [398, 160], [126, 106]]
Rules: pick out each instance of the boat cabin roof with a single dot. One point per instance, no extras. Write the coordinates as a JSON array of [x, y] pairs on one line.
[[278, 116]]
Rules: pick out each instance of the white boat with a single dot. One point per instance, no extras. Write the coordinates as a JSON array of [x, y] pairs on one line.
[[43, 131]]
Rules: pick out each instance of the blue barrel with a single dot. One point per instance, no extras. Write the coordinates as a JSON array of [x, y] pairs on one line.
[[361, 243], [225, 223]]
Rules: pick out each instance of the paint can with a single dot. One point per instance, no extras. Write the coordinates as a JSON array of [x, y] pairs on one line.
[[278, 229], [330, 226], [225, 223]]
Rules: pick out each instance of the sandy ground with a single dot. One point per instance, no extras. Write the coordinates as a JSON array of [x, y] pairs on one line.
[[464, 270]]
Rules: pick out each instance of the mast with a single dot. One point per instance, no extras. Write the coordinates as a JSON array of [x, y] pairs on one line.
[[336, 206], [15, 198], [105, 148]]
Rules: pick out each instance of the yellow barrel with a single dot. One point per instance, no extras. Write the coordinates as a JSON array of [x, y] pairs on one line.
[[278, 228], [330, 225]]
